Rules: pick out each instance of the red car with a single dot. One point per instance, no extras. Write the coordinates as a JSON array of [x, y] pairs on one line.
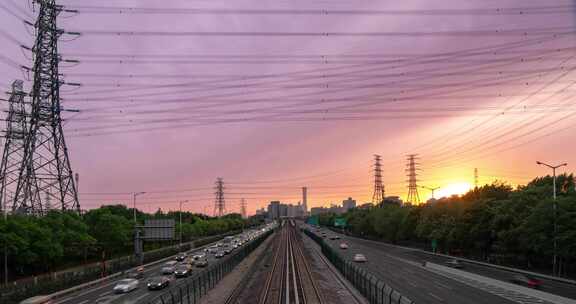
[[521, 279]]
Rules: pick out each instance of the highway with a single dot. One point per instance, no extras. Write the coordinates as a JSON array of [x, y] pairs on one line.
[[408, 277], [103, 294], [419, 257]]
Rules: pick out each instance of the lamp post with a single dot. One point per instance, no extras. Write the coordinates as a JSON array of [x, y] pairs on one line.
[[181, 202], [431, 189], [555, 208], [134, 195]]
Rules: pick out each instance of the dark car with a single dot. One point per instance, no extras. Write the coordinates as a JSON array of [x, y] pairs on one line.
[[182, 271], [454, 263], [227, 250], [201, 262], [158, 282], [180, 257], [522, 279]]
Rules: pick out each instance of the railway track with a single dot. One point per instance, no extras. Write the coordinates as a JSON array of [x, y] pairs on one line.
[[290, 280]]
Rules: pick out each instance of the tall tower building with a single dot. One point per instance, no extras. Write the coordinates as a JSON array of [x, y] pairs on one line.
[[305, 199]]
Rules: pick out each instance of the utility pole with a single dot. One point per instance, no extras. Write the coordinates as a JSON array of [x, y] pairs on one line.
[[219, 202], [555, 208], [15, 135], [378, 196], [243, 208], [45, 166], [475, 178], [134, 195], [432, 189], [411, 168], [305, 200], [180, 245]]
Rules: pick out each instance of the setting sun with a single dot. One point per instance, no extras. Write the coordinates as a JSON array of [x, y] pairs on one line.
[[453, 189]]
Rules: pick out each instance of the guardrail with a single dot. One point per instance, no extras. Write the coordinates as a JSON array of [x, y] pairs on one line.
[[371, 287], [79, 276], [193, 288]]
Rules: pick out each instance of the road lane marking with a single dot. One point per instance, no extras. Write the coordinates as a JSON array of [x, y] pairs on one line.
[[104, 294], [442, 285], [85, 301], [436, 297]]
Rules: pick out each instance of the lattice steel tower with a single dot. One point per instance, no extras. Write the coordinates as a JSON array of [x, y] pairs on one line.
[[411, 168], [378, 196], [45, 169], [15, 133], [219, 202]]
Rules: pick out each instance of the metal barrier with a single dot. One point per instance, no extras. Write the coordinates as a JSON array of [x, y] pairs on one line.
[[193, 288], [371, 287]]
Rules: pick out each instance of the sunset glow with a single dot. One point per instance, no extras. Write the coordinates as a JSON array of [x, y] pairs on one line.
[[453, 189]]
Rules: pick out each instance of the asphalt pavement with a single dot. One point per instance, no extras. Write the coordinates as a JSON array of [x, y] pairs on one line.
[[555, 287], [410, 278], [103, 294]]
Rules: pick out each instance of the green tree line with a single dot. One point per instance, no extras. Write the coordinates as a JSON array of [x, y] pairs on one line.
[[494, 223], [65, 239]]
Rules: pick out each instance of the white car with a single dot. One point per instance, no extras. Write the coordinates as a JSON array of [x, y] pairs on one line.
[[343, 246], [359, 258], [126, 285], [198, 256]]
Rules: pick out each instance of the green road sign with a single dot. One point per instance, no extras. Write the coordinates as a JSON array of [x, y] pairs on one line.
[[340, 222]]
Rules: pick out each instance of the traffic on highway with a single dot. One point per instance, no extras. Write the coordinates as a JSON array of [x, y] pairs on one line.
[[144, 283]]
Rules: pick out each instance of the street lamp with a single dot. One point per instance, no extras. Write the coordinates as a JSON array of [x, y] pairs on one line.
[[431, 189], [181, 202], [555, 208], [134, 195]]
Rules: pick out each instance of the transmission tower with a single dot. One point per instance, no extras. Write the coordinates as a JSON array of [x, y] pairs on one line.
[[243, 208], [378, 196], [475, 177], [411, 168], [45, 168], [219, 203], [15, 133]]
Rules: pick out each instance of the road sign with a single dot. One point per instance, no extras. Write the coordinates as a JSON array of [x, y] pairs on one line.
[[340, 222], [159, 230]]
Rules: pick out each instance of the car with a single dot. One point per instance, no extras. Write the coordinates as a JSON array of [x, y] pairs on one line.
[[168, 267], [219, 254], [343, 246], [219, 244], [334, 237], [213, 249], [522, 279], [180, 257], [454, 263], [158, 282], [199, 255], [182, 271], [227, 250], [360, 258], [137, 273], [126, 285], [201, 262]]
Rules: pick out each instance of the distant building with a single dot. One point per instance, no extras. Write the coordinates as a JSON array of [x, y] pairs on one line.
[[348, 204], [318, 210], [274, 210]]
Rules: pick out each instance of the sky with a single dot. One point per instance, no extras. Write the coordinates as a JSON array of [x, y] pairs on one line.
[[273, 96]]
